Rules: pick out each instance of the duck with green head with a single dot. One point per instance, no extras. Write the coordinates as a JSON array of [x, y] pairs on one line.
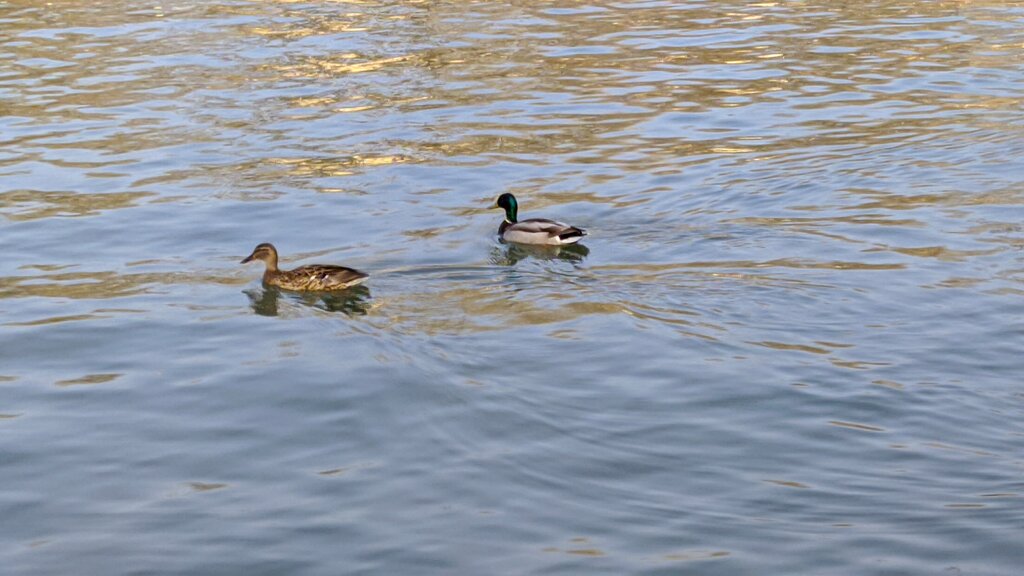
[[312, 277], [533, 230]]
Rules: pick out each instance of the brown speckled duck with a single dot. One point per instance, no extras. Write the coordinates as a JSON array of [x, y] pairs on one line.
[[534, 230], [313, 277]]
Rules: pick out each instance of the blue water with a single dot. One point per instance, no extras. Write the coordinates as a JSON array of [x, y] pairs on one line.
[[791, 343]]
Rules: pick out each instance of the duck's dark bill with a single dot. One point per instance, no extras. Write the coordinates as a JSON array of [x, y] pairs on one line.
[[246, 260]]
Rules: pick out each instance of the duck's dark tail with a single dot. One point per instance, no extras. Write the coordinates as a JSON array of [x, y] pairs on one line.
[[573, 234]]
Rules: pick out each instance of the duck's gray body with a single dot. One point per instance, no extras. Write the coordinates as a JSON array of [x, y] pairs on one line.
[[534, 230], [540, 231]]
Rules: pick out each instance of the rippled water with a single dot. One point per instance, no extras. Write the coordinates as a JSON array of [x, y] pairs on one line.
[[790, 345]]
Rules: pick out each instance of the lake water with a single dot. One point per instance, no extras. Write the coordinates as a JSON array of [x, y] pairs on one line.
[[791, 343]]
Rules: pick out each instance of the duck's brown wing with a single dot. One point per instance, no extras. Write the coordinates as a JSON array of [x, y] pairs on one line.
[[324, 277]]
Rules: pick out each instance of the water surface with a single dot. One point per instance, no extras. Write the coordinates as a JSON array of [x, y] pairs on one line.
[[790, 344]]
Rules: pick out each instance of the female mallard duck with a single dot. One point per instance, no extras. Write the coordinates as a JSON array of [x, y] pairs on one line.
[[533, 230], [314, 277]]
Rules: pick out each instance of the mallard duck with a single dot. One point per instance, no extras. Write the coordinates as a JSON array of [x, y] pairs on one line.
[[313, 277], [533, 230]]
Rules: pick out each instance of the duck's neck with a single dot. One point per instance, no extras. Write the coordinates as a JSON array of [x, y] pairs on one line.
[[271, 263], [511, 211]]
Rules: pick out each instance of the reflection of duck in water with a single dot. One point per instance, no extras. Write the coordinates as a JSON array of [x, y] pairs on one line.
[[353, 302], [313, 277], [534, 230], [513, 253]]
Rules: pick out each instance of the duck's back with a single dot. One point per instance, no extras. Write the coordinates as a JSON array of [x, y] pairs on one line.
[[541, 231], [316, 277]]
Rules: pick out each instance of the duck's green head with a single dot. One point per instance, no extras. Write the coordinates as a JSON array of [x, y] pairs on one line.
[[508, 203]]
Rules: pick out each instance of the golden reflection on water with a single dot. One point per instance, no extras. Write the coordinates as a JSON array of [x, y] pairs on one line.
[[471, 309], [89, 380], [18, 205], [629, 54], [102, 285], [58, 319], [629, 75]]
